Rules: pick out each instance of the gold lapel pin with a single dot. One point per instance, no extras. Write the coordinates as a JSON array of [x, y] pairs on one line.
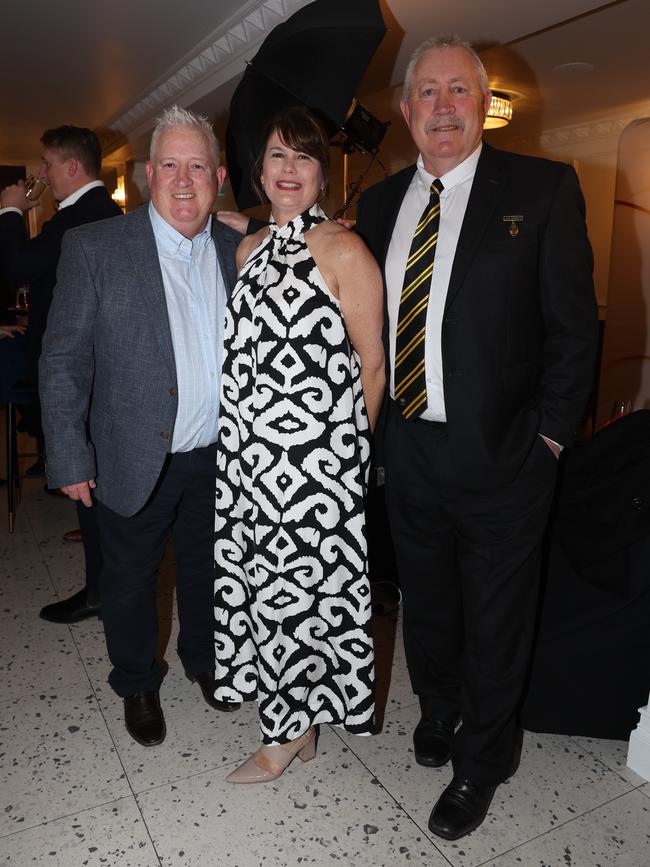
[[513, 219]]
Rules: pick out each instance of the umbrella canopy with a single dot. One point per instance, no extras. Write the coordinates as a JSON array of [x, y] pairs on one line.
[[315, 58]]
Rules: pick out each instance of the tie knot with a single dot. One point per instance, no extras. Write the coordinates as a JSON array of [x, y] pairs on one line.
[[436, 187]]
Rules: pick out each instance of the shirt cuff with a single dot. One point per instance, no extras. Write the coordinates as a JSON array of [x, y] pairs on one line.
[[9, 209]]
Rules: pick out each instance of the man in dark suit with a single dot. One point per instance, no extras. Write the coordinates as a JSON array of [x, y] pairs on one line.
[[132, 354], [491, 335], [71, 163]]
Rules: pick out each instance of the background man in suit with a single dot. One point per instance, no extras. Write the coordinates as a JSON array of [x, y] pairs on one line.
[[134, 347], [491, 331], [71, 163]]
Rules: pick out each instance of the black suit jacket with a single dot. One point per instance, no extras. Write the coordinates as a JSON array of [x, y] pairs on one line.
[[520, 322], [35, 261]]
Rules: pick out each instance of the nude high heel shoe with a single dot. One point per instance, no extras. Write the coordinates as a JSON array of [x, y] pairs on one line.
[[270, 762]]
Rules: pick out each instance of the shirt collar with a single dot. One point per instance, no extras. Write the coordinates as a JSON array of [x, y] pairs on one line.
[[464, 171], [74, 197], [171, 242]]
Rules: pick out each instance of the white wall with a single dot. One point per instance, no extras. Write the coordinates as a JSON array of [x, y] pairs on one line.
[[592, 147], [625, 372]]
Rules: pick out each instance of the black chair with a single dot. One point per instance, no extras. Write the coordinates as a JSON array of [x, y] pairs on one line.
[[590, 672]]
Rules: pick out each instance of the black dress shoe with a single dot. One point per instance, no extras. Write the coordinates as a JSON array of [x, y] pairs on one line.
[[432, 741], [71, 610], [460, 809], [205, 680], [144, 718]]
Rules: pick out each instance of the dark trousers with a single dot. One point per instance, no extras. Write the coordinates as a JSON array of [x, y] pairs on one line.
[[469, 565], [132, 549], [92, 550]]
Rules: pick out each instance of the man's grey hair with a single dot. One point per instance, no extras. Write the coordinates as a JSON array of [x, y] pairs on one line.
[[438, 42], [176, 116]]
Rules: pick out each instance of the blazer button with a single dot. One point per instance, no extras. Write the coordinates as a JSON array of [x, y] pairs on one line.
[[402, 401], [164, 434], [173, 391]]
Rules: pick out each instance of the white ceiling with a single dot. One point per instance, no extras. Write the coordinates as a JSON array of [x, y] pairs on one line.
[[114, 65], [71, 61], [614, 39]]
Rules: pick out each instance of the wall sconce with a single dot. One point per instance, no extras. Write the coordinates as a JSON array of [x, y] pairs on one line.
[[119, 193], [500, 110]]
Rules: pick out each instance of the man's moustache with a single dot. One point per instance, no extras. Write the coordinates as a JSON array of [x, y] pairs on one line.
[[456, 122]]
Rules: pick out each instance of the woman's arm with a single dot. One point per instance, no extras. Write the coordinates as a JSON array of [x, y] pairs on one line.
[[361, 296]]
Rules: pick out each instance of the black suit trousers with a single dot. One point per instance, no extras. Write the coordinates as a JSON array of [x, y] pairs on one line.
[[132, 549], [92, 549], [469, 565]]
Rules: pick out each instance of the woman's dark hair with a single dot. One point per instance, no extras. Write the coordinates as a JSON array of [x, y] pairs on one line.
[[299, 130]]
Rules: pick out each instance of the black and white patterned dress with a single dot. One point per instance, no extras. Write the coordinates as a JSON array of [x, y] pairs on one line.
[[292, 598]]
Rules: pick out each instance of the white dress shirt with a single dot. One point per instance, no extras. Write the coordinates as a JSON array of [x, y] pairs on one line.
[[196, 303], [74, 197], [453, 203]]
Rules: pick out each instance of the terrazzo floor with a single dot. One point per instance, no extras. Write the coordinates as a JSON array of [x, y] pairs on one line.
[[76, 790]]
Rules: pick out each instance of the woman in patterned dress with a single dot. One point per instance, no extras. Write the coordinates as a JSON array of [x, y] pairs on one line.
[[302, 382]]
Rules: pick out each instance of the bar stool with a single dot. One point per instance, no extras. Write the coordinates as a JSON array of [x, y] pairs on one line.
[[13, 393]]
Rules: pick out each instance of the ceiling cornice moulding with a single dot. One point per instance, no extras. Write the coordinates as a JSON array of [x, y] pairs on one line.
[[220, 57], [596, 129]]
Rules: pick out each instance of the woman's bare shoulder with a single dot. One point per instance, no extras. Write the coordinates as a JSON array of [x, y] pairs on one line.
[[337, 240], [248, 243]]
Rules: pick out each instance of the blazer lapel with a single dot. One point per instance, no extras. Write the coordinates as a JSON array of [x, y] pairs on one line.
[[486, 190], [146, 267], [226, 250]]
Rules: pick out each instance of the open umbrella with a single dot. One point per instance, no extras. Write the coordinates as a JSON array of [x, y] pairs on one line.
[[315, 58]]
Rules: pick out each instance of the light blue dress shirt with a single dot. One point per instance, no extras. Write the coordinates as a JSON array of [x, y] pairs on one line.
[[196, 303]]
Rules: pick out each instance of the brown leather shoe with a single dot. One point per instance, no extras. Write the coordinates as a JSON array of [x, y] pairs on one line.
[[205, 680], [144, 719], [73, 536]]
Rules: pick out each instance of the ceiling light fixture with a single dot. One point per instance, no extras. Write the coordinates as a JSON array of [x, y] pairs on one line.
[[577, 68], [500, 110]]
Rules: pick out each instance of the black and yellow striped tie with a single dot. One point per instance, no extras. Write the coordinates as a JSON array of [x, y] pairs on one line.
[[410, 379]]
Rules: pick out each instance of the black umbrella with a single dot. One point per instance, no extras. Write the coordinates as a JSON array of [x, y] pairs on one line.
[[315, 58]]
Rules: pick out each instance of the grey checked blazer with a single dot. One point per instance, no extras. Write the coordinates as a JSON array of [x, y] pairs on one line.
[[108, 377]]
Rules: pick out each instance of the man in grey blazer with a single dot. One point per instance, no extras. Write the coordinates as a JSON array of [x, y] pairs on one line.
[[130, 377]]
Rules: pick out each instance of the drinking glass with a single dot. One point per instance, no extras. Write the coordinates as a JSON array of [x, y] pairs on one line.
[[22, 299], [34, 188]]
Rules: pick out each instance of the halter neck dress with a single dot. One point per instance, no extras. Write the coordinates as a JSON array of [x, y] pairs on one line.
[[292, 597]]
